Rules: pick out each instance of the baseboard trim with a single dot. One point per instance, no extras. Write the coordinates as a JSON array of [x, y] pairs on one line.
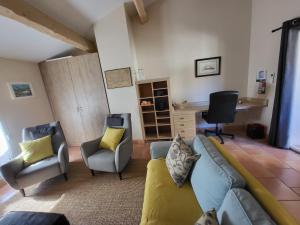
[[138, 141]]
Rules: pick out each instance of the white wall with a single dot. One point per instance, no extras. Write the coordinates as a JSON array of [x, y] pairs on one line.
[[178, 32], [115, 51], [264, 48], [19, 113]]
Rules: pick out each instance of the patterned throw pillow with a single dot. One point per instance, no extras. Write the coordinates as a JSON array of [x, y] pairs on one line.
[[208, 218], [179, 160]]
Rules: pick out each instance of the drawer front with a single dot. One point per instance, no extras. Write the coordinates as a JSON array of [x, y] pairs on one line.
[[186, 133], [184, 117], [185, 125]]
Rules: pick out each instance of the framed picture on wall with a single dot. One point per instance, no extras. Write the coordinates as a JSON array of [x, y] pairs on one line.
[[208, 67], [118, 78], [20, 90]]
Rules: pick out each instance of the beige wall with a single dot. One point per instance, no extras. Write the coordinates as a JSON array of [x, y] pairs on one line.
[[19, 113], [264, 49], [179, 32], [115, 51]]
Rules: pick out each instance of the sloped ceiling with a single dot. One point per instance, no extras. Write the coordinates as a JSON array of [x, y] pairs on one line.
[[18, 41], [21, 42]]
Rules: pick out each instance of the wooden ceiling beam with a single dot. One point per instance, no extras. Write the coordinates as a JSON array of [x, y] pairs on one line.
[[139, 5], [26, 14]]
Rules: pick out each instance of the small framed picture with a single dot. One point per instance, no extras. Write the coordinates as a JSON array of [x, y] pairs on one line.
[[20, 90], [208, 67], [118, 78]]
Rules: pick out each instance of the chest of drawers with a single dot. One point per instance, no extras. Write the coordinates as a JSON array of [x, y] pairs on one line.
[[184, 124]]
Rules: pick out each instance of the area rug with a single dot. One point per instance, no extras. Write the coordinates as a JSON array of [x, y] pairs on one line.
[[87, 200]]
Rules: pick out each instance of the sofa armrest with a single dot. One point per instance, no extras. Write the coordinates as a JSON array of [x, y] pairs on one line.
[[159, 149], [10, 170], [123, 154], [63, 157], [89, 148]]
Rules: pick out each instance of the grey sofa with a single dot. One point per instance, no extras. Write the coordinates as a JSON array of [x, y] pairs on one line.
[[19, 177], [104, 159]]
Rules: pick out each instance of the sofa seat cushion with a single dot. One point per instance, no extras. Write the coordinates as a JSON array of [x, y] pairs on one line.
[[239, 207], [39, 171], [102, 160], [164, 202], [212, 176]]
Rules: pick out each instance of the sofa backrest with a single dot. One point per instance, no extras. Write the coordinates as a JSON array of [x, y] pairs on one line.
[[239, 207], [278, 213], [212, 176]]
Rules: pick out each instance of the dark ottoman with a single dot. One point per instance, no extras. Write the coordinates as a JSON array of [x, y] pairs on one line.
[[33, 218]]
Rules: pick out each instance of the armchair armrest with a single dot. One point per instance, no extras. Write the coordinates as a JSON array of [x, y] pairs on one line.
[[123, 154], [89, 148], [63, 157], [10, 170], [159, 149]]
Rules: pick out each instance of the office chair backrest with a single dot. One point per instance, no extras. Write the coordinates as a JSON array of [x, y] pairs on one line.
[[222, 106]]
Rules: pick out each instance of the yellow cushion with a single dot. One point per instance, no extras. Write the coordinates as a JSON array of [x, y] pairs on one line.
[[36, 150], [111, 138], [164, 202], [266, 199]]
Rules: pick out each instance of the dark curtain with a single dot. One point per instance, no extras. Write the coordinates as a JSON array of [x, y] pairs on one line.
[[281, 118]]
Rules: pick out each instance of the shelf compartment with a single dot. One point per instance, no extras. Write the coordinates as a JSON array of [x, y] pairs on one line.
[[162, 103], [150, 133], [160, 92], [162, 114], [145, 90], [149, 102], [149, 118], [163, 120], [149, 124], [160, 84], [165, 131], [163, 96], [155, 89], [146, 109]]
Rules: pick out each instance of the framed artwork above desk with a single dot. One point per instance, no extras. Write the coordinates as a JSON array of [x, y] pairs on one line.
[[208, 67]]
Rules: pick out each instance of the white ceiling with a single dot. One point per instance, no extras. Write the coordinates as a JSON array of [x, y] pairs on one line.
[[79, 15], [18, 41], [21, 42]]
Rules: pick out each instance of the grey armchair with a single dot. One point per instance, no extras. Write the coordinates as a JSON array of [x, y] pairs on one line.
[[19, 177], [106, 160]]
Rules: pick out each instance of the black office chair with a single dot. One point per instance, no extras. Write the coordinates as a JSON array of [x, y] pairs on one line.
[[222, 109]]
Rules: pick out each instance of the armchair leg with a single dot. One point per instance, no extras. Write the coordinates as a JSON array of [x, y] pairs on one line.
[[65, 176], [22, 191], [92, 172], [120, 175]]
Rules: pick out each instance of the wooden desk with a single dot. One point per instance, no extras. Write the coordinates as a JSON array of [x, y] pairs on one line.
[[184, 116]]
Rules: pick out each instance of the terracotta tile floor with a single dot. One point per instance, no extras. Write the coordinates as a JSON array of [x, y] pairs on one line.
[[278, 170]]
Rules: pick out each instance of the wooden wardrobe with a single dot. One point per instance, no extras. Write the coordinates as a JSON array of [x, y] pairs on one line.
[[77, 96]]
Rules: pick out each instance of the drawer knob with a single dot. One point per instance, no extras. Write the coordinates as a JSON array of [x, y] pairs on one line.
[[182, 125], [182, 118]]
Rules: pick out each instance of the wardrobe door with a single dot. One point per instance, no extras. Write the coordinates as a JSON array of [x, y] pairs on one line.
[[60, 90], [90, 93]]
